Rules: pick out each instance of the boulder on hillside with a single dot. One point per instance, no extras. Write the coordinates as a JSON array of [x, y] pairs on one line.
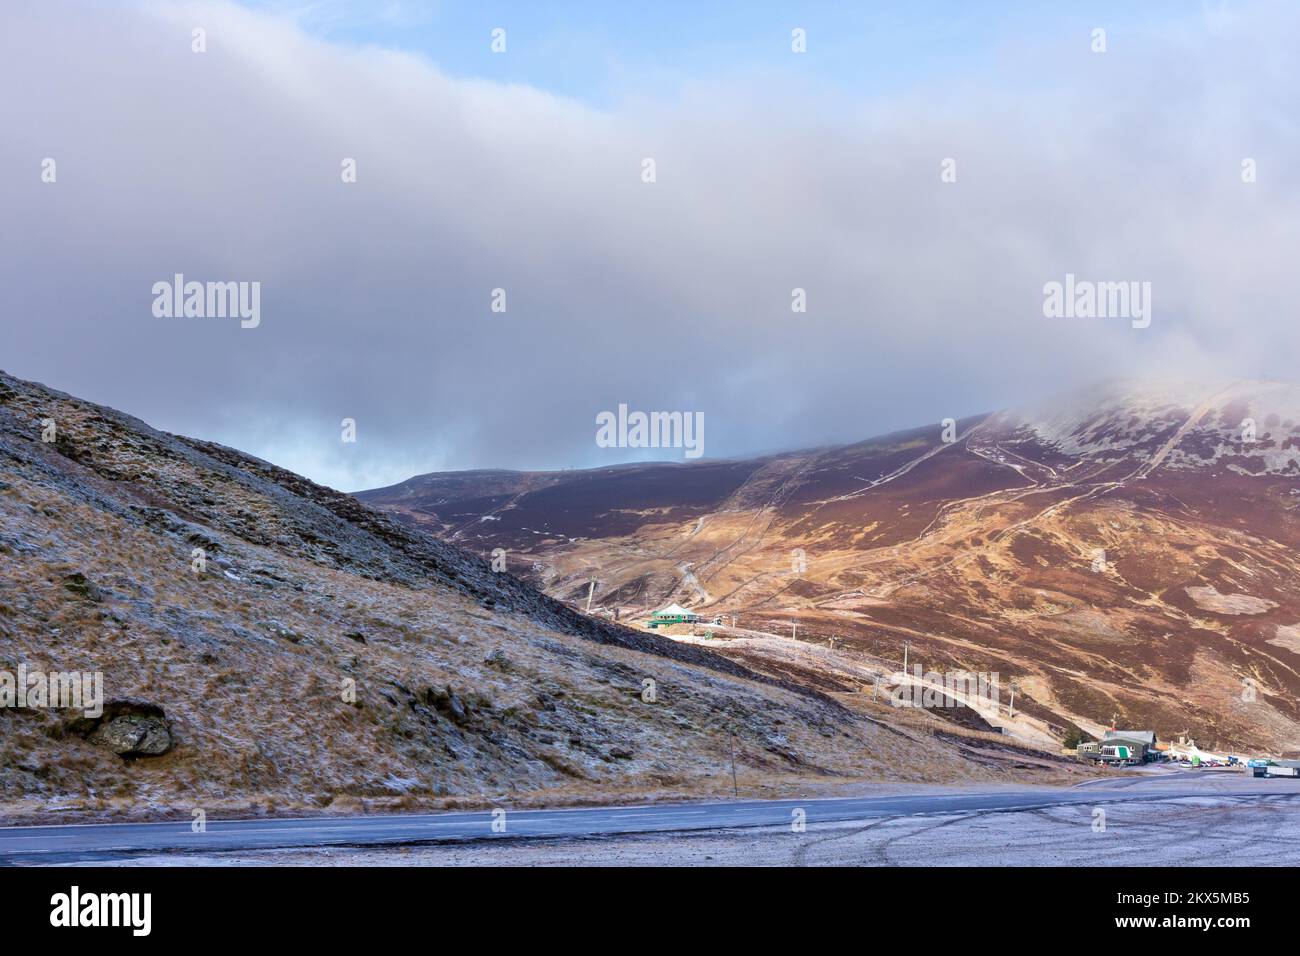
[[128, 727]]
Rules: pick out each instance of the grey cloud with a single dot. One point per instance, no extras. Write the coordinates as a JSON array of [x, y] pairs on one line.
[[924, 298]]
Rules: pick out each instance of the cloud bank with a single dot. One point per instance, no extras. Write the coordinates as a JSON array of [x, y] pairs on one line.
[[924, 297]]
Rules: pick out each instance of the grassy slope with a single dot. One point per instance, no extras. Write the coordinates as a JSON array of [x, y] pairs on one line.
[[305, 589]]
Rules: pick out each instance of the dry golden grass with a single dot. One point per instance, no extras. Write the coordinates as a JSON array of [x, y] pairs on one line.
[[251, 658]]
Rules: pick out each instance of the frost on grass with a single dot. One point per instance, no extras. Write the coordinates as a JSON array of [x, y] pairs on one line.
[[321, 656]]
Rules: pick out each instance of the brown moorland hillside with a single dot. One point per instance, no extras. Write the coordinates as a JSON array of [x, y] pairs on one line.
[[1124, 553], [325, 656]]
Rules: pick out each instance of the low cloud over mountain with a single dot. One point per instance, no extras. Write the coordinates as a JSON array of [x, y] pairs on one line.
[[924, 297]]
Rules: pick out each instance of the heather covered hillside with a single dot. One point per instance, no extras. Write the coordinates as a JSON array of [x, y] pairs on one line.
[[321, 655], [1123, 553]]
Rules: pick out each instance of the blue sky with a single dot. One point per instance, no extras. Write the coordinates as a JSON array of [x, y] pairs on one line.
[[602, 52]]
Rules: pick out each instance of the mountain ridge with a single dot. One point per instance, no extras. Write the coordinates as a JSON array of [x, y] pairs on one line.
[[909, 537]]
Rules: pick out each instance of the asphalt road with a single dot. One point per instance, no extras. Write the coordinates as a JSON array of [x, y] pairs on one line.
[[103, 842]]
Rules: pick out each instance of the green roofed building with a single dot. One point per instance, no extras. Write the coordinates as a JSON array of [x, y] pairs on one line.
[[673, 614]]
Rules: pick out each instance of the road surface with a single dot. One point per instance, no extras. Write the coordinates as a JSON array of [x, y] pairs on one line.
[[107, 842]]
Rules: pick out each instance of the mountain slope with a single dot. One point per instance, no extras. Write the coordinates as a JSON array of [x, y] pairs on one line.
[[322, 655], [1127, 552]]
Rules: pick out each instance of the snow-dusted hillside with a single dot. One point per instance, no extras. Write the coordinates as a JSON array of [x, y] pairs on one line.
[[1249, 427]]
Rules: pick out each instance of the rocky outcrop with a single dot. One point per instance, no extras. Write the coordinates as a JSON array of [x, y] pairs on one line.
[[129, 728]]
